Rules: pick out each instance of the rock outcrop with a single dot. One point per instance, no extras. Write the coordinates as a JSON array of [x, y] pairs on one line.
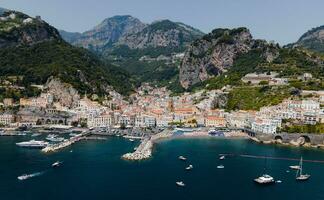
[[216, 52], [62, 92]]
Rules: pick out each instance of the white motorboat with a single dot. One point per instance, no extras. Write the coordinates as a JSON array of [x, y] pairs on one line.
[[294, 167], [299, 175], [190, 167], [33, 144], [182, 158], [220, 167], [132, 140], [55, 139], [278, 181], [56, 164], [264, 179], [180, 183], [222, 158]]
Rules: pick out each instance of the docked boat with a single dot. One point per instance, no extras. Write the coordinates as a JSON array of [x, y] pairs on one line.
[[33, 144], [190, 167], [299, 175], [264, 179], [180, 183], [182, 158], [56, 164], [294, 167], [222, 158], [35, 134], [220, 167], [132, 140], [55, 139]]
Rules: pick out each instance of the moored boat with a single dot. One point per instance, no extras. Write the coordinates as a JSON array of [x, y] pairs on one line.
[[220, 167], [299, 175], [182, 158], [265, 179], [180, 183], [190, 167], [56, 164]]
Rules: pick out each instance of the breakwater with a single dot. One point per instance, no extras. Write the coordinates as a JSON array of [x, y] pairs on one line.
[[144, 150]]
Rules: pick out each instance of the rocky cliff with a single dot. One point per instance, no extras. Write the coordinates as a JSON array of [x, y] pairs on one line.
[[216, 52], [164, 33]]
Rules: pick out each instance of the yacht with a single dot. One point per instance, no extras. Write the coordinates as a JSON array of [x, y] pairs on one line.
[[182, 158], [264, 179], [56, 164], [33, 144], [189, 167], [299, 175], [180, 183]]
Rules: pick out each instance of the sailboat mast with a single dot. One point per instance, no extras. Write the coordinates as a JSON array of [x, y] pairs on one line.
[[301, 165]]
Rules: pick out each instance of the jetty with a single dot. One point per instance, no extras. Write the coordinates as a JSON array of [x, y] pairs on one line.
[[65, 143], [144, 150]]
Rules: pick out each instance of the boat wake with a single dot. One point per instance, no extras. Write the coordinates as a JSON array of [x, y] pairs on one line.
[[28, 176]]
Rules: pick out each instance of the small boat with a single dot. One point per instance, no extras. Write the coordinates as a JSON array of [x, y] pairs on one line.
[[222, 158], [55, 139], [182, 158], [180, 183], [189, 167], [278, 181], [220, 167], [299, 175], [264, 179], [294, 167], [57, 164], [132, 140], [35, 134]]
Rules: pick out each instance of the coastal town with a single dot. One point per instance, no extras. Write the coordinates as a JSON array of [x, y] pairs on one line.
[[152, 107]]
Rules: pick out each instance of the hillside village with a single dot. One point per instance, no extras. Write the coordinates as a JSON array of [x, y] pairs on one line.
[[151, 107]]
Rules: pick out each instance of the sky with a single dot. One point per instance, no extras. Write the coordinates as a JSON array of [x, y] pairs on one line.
[[283, 21]]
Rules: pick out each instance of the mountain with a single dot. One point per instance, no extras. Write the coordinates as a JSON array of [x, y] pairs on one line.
[[2, 10], [126, 35], [32, 49], [312, 40], [224, 56], [105, 34]]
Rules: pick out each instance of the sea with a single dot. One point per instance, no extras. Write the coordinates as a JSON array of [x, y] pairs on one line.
[[94, 170]]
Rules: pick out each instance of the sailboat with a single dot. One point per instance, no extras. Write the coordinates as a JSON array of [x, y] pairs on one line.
[[299, 175], [265, 179]]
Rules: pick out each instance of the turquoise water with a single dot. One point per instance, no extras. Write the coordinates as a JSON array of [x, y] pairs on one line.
[[94, 170]]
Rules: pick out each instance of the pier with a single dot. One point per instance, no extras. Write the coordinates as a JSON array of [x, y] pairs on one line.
[[65, 143], [144, 150]]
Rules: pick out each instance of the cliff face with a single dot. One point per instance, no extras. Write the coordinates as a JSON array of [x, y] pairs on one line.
[[19, 29], [63, 93], [161, 34], [213, 54]]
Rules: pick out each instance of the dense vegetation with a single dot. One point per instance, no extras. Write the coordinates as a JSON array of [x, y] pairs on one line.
[[305, 128], [253, 98], [57, 58]]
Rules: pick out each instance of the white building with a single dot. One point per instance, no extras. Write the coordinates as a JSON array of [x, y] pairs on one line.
[[6, 119], [103, 120], [267, 126]]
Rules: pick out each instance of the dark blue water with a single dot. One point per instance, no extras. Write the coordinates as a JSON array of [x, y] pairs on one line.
[[94, 170]]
